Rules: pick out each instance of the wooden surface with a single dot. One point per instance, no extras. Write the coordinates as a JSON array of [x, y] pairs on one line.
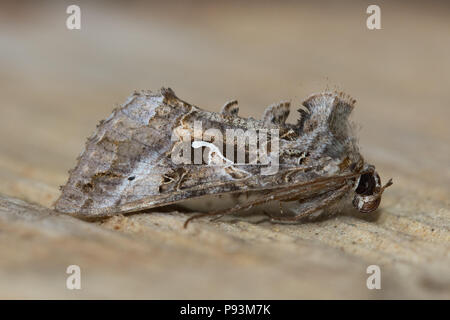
[[57, 84]]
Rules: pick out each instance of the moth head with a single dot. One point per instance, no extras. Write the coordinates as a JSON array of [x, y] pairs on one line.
[[368, 192]]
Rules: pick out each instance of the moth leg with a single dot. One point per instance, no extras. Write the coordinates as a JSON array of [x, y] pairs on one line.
[[280, 195], [216, 218], [221, 213], [329, 201], [277, 195], [281, 208], [285, 194]]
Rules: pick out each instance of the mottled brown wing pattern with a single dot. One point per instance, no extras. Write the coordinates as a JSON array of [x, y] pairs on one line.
[[126, 165]]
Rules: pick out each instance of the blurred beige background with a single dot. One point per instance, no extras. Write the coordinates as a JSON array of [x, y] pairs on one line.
[[56, 84]]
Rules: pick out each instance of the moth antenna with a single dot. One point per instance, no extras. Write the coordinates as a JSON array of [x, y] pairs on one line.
[[230, 108], [276, 114], [387, 185]]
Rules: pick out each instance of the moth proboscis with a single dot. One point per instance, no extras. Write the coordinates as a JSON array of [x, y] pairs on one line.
[[157, 150]]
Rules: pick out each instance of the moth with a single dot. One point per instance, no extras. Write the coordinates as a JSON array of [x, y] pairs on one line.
[[132, 161]]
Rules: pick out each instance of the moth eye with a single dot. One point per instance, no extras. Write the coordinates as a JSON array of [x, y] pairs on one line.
[[367, 184]]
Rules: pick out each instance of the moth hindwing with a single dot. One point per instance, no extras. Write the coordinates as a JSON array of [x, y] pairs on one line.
[[157, 149]]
